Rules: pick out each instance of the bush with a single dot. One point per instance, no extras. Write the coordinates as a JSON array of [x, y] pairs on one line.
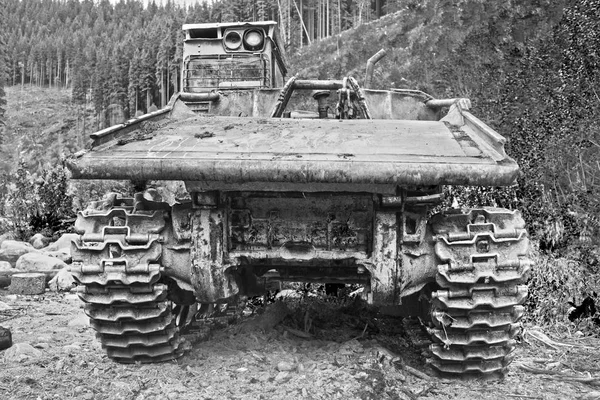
[[38, 203], [554, 283]]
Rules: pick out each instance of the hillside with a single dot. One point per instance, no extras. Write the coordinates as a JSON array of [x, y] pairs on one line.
[[42, 124], [531, 74]]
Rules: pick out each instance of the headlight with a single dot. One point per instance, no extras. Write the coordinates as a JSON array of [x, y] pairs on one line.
[[232, 40], [254, 39]]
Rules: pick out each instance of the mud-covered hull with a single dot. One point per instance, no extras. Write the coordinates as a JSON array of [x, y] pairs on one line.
[[231, 150]]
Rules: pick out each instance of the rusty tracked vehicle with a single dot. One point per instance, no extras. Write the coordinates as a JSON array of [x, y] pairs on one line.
[[342, 195]]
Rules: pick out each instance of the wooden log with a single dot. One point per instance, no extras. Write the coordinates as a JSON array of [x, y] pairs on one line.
[[6, 276], [27, 283]]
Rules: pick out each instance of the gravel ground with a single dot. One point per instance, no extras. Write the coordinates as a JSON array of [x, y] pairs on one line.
[[341, 362]]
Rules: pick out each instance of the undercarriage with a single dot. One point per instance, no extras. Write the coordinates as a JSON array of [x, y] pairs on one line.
[[142, 263]]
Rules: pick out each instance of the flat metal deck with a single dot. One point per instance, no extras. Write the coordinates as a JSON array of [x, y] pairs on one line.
[[245, 150]]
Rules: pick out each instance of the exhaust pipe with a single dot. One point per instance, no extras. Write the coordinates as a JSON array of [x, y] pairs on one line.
[[370, 66]]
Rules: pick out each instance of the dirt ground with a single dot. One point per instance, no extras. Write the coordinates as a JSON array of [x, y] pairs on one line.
[[342, 363]]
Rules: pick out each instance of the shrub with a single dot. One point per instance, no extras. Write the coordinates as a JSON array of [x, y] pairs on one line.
[[38, 203], [554, 283]]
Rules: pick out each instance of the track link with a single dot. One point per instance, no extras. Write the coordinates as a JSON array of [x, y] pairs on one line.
[[116, 261], [476, 311]]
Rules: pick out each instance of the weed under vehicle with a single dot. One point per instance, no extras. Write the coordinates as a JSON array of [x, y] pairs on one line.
[[341, 196]]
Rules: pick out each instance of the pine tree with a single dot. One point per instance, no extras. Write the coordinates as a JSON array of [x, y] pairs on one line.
[[133, 89]]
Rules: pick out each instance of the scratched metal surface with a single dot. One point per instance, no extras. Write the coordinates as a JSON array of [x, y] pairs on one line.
[[234, 149]]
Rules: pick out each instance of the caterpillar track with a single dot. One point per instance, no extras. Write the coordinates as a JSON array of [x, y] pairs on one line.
[[116, 261], [476, 311]]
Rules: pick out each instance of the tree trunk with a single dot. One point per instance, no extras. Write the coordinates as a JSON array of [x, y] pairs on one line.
[[6, 276]]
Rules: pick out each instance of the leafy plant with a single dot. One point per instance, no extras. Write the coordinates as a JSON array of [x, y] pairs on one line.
[[554, 283], [38, 203]]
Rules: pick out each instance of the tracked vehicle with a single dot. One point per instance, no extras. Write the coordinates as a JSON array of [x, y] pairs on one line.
[[341, 195]]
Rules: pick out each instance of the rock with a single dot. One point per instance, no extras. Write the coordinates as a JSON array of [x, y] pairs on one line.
[[6, 236], [63, 255], [44, 338], [63, 244], [71, 348], [283, 376], [27, 283], [20, 352], [39, 262], [285, 366], [5, 266], [72, 298], [62, 282], [5, 338], [12, 250], [41, 345], [6, 271], [39, 241], [79, 321]]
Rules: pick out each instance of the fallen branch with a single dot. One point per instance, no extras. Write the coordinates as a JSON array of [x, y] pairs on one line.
[[363, 332], [590, 381], [535, 370], [296, 332], [417, 373], [556, 375], [523, 396], [542, 337]]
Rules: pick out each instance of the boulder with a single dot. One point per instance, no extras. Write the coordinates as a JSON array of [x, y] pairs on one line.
[[62, 282], [5, 266], [63, 244], [12, 250], [6, 271], [5, 338], [39, 241], [39, 262], [27, 283], [7, 236], [79, 321], [62, 255], [20, 352]]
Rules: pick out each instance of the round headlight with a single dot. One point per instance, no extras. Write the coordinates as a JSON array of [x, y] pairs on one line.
[[253, 39], [232, 40]]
